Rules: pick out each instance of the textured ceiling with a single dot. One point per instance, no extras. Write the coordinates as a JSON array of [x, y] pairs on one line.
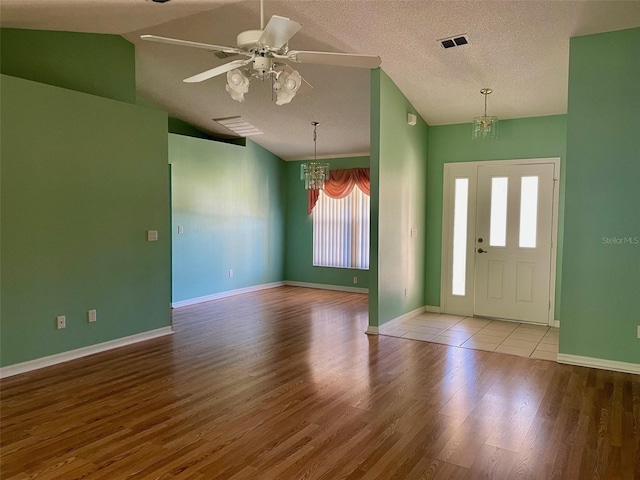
[[518, 48]]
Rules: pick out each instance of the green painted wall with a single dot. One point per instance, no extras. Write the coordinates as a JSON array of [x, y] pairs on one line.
[[102, 65], [538, 137], [398, 197], [601, 275], [230, 202], [299, 232], [83, 179]]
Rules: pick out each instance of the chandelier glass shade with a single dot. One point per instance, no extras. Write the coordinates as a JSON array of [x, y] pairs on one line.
[[315, 173], [486, 126]]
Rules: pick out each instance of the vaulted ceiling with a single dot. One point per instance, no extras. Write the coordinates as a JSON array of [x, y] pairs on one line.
[[518, 48]]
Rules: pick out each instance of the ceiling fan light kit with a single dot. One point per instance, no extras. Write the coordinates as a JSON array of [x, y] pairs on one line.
[[269, 54], [286, 86], [237, 84], [485, 127]]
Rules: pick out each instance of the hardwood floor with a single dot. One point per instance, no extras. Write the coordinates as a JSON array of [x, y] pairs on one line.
[[283, 384]]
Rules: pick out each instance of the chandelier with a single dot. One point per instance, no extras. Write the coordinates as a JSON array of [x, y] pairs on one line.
[[314, 173], [485, 126]]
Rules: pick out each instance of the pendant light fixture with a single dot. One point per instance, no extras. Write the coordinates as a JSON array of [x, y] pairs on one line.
[[485, 126], [314, 173]]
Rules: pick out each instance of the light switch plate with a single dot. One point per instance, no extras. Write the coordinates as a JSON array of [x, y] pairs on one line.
[[152, 235]]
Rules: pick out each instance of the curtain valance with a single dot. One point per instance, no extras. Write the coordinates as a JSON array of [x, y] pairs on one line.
[[340, 184]]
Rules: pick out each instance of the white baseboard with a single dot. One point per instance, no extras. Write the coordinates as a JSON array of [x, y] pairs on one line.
[[372, 330], [391, 323], [24, 367], [599, 363], [556, 323], [324, 286], [229, 293], [432, 309]]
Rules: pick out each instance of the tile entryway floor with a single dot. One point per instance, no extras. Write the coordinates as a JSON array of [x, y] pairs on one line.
[[522, 339]]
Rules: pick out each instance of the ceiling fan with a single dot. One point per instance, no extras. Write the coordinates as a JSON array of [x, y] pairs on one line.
[[267, 51]]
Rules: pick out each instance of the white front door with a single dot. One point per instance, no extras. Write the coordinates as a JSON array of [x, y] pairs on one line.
[[513, 242], [498, 258]]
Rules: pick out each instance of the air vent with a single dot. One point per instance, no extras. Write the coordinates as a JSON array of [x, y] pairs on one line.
[[455, 41], [239, 126]]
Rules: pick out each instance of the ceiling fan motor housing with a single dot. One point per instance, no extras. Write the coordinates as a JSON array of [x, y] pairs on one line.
[[262, 64], [249, 39]]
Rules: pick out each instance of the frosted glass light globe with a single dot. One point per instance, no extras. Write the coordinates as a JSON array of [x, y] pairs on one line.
[[291, 84]]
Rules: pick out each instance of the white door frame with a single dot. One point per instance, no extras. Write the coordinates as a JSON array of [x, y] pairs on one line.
[[464, 305]]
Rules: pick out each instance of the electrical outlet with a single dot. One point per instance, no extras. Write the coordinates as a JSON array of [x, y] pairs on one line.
[[91, 316], [180, 229], [152, 235], [355, 280], [61, 322], [230, 273]]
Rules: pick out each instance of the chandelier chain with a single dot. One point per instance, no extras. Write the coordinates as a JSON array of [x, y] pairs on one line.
[[314, 173], [315, 140]]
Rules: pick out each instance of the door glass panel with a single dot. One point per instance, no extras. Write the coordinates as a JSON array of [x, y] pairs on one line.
[[461, 203], [498, 221], [528, 212]]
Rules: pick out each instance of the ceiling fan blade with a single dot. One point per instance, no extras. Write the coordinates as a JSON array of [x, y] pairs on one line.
[[187, 43], [214, 72], [278, 32], [336, 59]]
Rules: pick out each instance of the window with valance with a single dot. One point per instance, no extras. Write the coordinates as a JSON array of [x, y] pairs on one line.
[[341, 219]]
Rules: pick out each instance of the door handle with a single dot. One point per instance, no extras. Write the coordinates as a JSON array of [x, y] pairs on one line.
[[482, 251]]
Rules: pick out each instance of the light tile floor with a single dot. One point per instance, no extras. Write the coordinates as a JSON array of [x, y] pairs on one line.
[[522, 339]]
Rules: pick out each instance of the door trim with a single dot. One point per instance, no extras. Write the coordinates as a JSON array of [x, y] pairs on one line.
[[470, 170]]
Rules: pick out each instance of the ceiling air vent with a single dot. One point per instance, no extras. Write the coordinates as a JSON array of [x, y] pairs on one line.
[[239, 126], [455, 41]]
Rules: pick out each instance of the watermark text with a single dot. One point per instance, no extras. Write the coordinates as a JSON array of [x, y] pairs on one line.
[[621, 240]]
